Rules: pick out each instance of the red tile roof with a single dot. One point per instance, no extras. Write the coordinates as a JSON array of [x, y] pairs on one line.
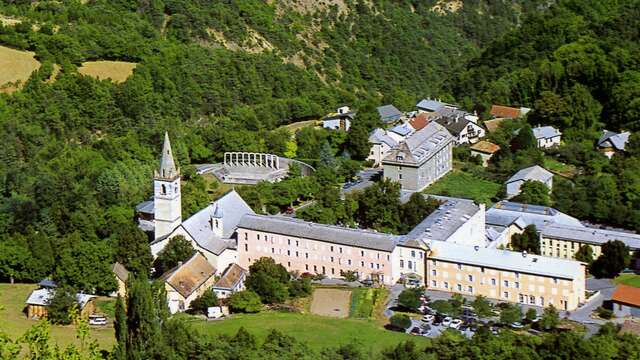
[[493, 125], [505, 112], [626, 294], [420, 121]]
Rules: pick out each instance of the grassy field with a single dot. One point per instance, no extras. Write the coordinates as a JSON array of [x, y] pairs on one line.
[[14, 322], [628, 279], [317, 331], [365, 302], [17, 67], [461, 184], [117, 71]]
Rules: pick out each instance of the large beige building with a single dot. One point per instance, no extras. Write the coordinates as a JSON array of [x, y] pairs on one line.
[[505, 275], [315, 248], [563, 241]]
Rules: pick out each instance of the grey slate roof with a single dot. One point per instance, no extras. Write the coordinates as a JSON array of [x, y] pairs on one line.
[[505, 259], [43, 297], [545, 132], [402, 129], [590, 235], [445, 220], [199, 226], [535, 173], [429, 105], [420, 146], [146, 207], [328, 233], [505, 213], [389, 113], [379, 136], [455, 125], [168, 168], [613, 139]]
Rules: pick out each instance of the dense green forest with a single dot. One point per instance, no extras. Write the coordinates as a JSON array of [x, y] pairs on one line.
[[78, 153]]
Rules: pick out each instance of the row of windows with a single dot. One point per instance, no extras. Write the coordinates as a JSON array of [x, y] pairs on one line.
[[482, 270], [331, 247]]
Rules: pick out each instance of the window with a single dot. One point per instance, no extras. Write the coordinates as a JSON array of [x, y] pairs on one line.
[[400, 157], [517, 285], [362, 253], [362, 264], [521, 298], [324, 271], [482, 270], [332, 249], [470, 277], [413, 253], [399, 176], [401, 264], [340, 250], [505, 295], [433, 272], [246, 236], [506, 283], [459, 287], [434, 283], [532, 300], [297, 243], [288, 252], [555, 280], [288, 263], [372, 265], [332, 259], [164, 190], [459, 266], [333, 271], [517, 275], [541, 300], [493, 282], [349, 261], [446, 285], [306, 267], [315, 268], [419, 253], [387, 257], [273, 250], [378, 266], [246, 247], [288, 241], [296, 254], [258, 235], [433, 262], [470, 289], [409, 264]]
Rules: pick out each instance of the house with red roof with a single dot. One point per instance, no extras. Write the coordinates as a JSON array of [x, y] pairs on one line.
[[626, 301]]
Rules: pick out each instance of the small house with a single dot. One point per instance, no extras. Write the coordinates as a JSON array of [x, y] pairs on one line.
[[546, 136], [381, 144], [612, 142], [339, 120], [429, 105], [121, 274], [463, 129], [39, 300], [533, 173], [626, 301], [485, 150], [506, 112], [389, 114], [187, 281], [231, 281]]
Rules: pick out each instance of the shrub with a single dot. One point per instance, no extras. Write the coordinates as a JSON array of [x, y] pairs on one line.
[[349, 275], [203, 302], [605, 313], [245, 301], [400, 321], [300, 287], [410, 299], [442, 307], [61, 306]]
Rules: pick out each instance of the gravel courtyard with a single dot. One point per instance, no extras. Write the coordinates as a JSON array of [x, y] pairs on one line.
[[331, 302]]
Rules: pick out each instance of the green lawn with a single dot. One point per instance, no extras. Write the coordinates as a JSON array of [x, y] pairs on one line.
[[365, 302], [14, 322], [461, 184], [628, 279], [317, 331]]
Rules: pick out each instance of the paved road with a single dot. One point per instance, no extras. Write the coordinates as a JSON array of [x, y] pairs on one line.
[[365, 177], [583, 314]]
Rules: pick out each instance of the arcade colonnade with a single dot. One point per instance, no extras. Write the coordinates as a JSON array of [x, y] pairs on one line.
[[251, 159]]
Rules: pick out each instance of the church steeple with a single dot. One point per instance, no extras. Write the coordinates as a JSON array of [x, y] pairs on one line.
[[168, 168], [166, 193]]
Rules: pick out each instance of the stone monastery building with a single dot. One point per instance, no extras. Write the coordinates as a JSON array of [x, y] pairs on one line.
[[447, 251]]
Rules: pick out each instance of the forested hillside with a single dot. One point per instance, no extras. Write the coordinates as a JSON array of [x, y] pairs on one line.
[[577, 65], [78, 153]]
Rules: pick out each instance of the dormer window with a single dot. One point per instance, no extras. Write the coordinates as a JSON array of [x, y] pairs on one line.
[[400, 157]]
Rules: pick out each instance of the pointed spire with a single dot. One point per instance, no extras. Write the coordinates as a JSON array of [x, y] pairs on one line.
[[168, 168]]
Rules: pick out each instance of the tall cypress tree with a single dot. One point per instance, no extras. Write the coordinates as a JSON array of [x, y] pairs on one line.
[[144, 335], [120, 325]]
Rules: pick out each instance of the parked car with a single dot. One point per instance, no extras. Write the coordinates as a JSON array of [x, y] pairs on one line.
[[455, 324], [447, 321], [494, 330], [516, 325], [428, 318], [99, 320], [425, 327], [416, 331], [437, 320]]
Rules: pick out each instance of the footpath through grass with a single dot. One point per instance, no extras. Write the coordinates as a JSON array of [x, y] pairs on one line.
[[464, 185], [628, 279], [318, 332]]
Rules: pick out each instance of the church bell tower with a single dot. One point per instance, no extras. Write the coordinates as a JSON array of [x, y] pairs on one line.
[[166, 193]]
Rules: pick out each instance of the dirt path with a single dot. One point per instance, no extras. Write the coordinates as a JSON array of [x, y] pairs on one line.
[[331, 302]]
